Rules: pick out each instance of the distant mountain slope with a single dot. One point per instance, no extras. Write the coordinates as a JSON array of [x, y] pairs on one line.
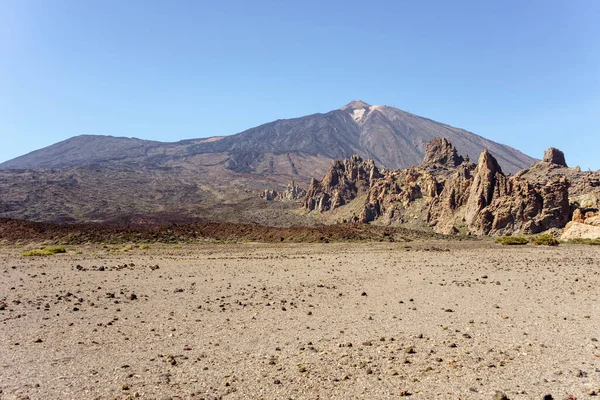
[[392, 137], [86, 150], [82, 150]]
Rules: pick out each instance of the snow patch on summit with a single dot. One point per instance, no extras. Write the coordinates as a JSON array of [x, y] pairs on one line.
[[358, 114]]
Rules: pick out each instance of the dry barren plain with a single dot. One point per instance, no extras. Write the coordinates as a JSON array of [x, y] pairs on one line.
[[423, 320]]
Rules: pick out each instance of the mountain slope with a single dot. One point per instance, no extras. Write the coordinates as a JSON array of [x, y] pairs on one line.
[[393, 138], [86, 150], [80, 150]]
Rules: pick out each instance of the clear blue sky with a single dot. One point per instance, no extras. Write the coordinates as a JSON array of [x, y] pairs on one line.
[[524, 73]]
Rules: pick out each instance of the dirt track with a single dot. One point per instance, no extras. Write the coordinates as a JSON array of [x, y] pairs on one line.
[[437, 320]]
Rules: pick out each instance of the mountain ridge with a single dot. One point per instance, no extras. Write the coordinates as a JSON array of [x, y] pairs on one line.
[[393, 138]]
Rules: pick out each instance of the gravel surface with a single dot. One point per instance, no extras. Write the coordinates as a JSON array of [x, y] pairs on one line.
[[429, 320]]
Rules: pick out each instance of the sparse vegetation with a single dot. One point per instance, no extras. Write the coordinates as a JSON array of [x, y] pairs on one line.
[[125, 247], [512, 240], [45, 251], [593, 242], [544, 239], [128, 247]]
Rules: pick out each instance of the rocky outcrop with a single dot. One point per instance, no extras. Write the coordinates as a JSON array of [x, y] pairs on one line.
[[452, 195], [391, 196], [269, 194], [431, 192], [403, 196], [585, 224], [293, 192], [555, 156], [578, 230], [443, 214], [586, 217], [525, 208], [584, 187], [584, 194], [489, 183], [501, 205], [341, 184], [439, 152]]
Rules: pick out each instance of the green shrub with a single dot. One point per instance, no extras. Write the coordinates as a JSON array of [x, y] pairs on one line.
[[512, 240], [56, 249], [45, 251], [35, 253], [593, 242], [544, 239]]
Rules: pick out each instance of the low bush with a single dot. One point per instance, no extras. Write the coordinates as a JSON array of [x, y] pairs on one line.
[[544, 239], [45, 251], [512, 240]]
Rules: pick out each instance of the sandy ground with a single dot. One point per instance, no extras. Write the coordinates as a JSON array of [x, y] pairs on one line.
[[435, 320]]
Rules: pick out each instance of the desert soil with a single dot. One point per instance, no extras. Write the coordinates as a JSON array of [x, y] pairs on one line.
[[429, 320]]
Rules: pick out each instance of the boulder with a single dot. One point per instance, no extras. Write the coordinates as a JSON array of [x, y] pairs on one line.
[[586, 217], [578, 230]]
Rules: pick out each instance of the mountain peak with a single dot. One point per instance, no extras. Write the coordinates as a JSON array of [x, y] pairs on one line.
[[355, 104]]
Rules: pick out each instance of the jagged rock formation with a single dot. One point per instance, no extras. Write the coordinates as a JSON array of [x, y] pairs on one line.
[[342, 183], [555, 156], [525, 208], [397, 196], [293, 192], [417, 193], [450, 195], [269, 194], [501, 205], [489, 182], [584, 187], [439, 152], [443, 214], [436, 187]]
